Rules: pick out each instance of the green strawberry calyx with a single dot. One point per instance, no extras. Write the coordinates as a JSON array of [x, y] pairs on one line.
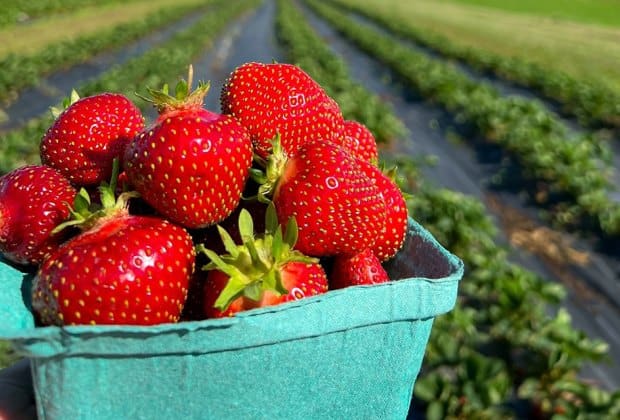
[[273, 165], [85, 214], [66, 103], [183, 97], [256, 265]]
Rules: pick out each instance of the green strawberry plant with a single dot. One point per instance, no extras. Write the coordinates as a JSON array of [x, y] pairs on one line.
[[500, 347], [499, 352], [24, 70], [550, 161], [591, 101], [153, 68]]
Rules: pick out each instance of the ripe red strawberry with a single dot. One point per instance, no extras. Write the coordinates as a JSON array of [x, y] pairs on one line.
[[264, 271], [338, 209], [281, 98], [392, 235], [123, 269], [34, 199], [191, 164], [360, 141], [88, 135], [299, 279], [359, 269]]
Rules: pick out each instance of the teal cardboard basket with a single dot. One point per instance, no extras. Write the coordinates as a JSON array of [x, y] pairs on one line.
[[350, 353]]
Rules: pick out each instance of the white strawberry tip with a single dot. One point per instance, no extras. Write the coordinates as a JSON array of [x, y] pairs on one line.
[[255, 266]]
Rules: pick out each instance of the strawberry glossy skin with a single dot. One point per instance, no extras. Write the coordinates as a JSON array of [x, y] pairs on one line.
[[126, 270], [299, 278], [360, 141], [191, 165], [34, 199], [338, 209], [392, 236], [281, 98], [354, 270], [83, 141]]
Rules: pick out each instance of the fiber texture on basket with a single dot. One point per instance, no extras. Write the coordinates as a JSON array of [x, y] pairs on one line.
[[350, 353]]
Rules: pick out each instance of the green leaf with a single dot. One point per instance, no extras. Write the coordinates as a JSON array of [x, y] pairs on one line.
[[290, 235], [435, 411], [427, 388], [258, 176], [269, 280], [246, 226], [229, 243], [114, 177], [73, 98], [271, 219], [220, 264], [181, 90], [235, 288], [253, 291], [277, 244], [598, 397], [82, 201], [107, 196], [279, 286]]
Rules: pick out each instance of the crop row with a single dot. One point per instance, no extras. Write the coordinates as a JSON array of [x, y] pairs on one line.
[[153, 69], [592, 102], [356, 103], [571, 174], [16, 11], [499, 351], [24, 70]]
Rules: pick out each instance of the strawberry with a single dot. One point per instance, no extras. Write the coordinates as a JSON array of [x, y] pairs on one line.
[[281, 98], [392, 235], [264, 271], [34, 199], [88, 135], [359, 269], [360, 141], [191, 164], [122, 269], [339, 210]]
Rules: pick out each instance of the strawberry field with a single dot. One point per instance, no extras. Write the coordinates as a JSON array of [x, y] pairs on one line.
[[523, 188]]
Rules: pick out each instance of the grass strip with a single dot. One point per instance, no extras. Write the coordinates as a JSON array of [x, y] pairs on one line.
[[21, 70], [15, 12], [590, 101]]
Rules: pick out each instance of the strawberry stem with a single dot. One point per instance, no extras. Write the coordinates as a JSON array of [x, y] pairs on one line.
[[66, 102], [85, 215], [255, 266], [274, 167], [183, 98]]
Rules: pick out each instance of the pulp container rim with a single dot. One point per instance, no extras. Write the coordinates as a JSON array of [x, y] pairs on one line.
[[31, 336]]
